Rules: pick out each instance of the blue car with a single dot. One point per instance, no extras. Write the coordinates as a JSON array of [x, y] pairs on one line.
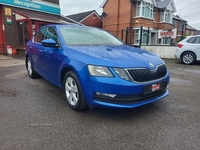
[[94, 68]]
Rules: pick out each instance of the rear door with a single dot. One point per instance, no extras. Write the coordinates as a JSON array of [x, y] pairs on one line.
[[37, 50]]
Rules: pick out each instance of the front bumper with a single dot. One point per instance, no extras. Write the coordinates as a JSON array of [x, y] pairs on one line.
[[132, 104], [124, 94]]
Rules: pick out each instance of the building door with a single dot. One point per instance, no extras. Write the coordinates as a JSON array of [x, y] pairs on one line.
[[23, 33], [2, 40], [153, 38]]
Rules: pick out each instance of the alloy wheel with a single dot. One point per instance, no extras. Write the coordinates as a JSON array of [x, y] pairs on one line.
[[71, 91], [29, 67], [188, 59]]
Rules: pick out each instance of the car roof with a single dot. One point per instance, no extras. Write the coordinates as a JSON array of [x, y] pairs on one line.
[[187, 38], [68, 25], [192, 36]]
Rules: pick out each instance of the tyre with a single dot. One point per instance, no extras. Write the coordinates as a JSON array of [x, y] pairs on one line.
[[31, 71], [188, 58], [73, 92]]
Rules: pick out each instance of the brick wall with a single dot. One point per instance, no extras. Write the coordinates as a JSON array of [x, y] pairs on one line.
[[118, 16], [164, 26], [93, 20]]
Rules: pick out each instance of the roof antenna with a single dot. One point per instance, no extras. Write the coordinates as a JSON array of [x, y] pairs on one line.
[[180, 12]]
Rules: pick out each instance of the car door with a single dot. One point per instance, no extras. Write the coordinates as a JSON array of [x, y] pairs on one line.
[[36, 49], [53, 57], [197, 47]]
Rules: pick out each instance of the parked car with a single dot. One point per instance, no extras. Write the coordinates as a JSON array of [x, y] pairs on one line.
[[94, 68], [188, 50]]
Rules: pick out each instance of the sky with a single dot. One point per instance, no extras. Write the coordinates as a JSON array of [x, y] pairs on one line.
[[188, 10]]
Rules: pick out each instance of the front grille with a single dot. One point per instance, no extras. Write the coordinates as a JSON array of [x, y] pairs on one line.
[[145, 74]]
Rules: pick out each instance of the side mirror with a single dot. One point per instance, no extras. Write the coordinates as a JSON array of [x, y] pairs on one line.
[[49, 43]]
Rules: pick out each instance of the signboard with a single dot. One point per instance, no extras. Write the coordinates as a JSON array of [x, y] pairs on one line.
[[9, 20], [28, 4], [167, 33], [8, 11]]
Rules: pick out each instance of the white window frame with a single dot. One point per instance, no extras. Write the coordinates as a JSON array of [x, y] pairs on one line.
[[181, 24], [137, 36], [141, 10], [166, 16], [174, 24], [154, 15], [166, 41]]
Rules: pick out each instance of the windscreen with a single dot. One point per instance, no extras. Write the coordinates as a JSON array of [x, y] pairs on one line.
[[88, 37]]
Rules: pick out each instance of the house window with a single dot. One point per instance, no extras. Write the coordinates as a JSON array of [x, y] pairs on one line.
[[166, 40], [145, 9], [166, 16], [138, 8], [144, 37], [162, 16], [181, 26], [154, 15], [137, 36], [174, 24]]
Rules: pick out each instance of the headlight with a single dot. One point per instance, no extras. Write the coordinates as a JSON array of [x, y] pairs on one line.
[[99, 71], [122, 73]]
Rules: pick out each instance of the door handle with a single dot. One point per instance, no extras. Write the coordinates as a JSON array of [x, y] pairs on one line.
[[30, 47]]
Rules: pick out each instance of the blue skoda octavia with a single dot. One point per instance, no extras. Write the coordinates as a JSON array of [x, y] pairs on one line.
[[94, 68]]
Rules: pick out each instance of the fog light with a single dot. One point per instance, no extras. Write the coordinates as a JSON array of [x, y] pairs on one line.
[[105, 95]]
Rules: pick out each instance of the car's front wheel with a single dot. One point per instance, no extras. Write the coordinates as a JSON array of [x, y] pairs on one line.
[[31, 71], [188, 58], [73, 91]]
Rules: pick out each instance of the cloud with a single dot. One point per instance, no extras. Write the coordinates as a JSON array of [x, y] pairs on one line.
[[69, 7], [189, 10]]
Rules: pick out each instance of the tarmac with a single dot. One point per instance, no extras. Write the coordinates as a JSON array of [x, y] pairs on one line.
[[11, 60]]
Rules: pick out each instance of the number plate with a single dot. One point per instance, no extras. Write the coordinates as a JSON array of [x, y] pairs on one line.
[[154, 88]]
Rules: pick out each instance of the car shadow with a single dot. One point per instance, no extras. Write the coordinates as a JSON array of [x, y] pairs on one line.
[[125, 114], [105, 113]]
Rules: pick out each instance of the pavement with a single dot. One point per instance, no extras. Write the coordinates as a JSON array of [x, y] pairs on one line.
[[34, 115], [11, 60]]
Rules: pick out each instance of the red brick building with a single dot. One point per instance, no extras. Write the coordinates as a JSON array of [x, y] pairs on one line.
[[156, 17], [190, 30], [89, 18]]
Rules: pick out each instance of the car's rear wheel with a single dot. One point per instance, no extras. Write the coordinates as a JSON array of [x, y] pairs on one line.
[[73, 91], [188, 58], [31, 71]]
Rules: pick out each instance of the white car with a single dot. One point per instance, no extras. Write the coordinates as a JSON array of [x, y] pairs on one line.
[[189, 50]]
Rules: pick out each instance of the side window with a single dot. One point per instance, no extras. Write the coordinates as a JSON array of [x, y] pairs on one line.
[[39, 36], [51, 34], [192, 40]]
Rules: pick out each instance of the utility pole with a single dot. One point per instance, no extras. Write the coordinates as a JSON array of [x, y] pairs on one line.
[[182, 31]]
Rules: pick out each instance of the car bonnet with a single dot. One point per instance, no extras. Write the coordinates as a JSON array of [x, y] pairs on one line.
[[115, 56]]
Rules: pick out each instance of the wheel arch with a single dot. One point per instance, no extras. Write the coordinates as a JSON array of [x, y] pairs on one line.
[[27, 56], [188, 51], [65, 70]]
